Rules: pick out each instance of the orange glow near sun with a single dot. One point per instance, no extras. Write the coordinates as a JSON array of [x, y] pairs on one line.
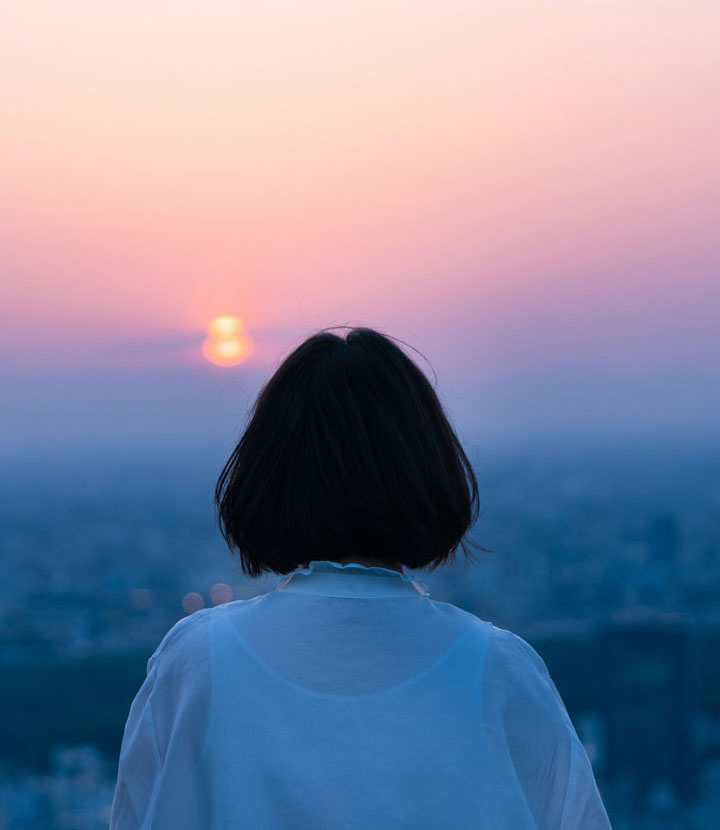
[[225, 344]]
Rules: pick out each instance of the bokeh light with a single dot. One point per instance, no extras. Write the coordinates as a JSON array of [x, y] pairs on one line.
[[192, 602], [220, 592]]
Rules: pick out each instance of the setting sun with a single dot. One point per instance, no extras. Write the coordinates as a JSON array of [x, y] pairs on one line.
[[225, 344]]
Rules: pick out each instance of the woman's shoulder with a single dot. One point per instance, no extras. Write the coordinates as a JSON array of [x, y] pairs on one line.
[[509, 662], [513, 650], [518, 682], [188, 640], [504, 645]]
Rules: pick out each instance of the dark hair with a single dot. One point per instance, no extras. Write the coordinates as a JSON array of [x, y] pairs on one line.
[[347, 452]]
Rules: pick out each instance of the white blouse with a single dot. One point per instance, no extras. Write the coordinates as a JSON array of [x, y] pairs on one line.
[[347, 699]]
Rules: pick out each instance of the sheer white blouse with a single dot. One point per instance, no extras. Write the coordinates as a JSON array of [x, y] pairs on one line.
[[347, 698]]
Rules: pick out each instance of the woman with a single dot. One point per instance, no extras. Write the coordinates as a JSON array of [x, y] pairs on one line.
[[346, 697]]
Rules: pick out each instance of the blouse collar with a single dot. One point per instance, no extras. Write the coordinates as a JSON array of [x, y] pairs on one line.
[[327, 578]]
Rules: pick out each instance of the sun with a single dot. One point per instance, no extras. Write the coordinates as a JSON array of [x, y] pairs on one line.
[[226, 344]]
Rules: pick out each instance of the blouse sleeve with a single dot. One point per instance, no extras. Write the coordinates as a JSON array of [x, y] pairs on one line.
[[549, 759], [161, 780], [139, 762]]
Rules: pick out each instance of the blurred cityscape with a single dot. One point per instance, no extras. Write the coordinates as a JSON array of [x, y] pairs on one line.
[[607, 560]]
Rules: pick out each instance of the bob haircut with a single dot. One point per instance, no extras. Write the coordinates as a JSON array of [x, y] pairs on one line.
[[347, 452]]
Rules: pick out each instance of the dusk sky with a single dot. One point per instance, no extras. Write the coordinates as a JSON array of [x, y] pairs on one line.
[[528, 192]]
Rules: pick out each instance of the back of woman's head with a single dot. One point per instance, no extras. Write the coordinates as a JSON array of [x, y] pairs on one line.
[[347, 453]]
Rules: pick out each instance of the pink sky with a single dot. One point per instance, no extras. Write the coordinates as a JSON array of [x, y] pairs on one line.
[[505, 186]]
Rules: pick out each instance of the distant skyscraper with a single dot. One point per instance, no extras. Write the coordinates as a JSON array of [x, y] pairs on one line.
[[648, 701]]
